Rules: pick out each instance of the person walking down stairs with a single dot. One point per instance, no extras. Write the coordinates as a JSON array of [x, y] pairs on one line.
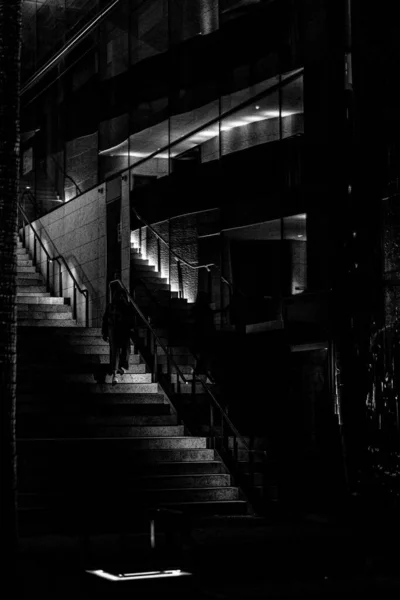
[[116, 329]]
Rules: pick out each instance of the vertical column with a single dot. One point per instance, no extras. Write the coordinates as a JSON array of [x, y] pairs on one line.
[[102, 254], [125, 230]]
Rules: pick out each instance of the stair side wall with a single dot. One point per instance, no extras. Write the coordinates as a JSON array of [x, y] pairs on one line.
[[77, 230]]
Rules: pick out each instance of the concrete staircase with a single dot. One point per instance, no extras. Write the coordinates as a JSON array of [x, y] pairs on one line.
[[194, 409], [35, 305], [92, 456], [159, 288]]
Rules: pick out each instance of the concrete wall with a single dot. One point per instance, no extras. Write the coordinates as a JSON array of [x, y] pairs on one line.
[[77, 231]]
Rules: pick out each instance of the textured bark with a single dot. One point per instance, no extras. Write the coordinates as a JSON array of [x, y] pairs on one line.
[[10, 36]]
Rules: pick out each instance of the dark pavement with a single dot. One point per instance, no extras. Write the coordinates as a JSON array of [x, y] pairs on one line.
[[239, 557]]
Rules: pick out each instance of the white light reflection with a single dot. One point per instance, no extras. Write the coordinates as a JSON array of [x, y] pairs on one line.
[[138, 576]]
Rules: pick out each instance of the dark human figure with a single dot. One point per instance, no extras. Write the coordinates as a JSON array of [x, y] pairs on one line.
[[117, 323]]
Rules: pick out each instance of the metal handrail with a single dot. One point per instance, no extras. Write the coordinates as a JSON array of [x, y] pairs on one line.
[[61, 54], [182, 260], [157, 302], [204, 384], [59, 259], [213, 402], [149, 327]]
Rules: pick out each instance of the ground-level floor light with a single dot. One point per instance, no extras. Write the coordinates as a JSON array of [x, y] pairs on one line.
[[138, 576]]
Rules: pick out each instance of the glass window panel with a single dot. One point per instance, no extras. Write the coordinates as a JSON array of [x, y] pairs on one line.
[[190, 19], [293, 108], [149, 29], [113, 150], [295, 240]]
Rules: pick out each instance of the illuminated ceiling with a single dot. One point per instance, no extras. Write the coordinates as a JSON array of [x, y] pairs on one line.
[[145, 142]]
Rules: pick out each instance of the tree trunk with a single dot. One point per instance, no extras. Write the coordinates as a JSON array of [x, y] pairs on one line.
[[10, 45]]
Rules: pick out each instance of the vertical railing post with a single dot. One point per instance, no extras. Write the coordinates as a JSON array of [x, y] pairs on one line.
[[87, 308], [75, 312], [34, 251], [60, 281], [169, 363], [212, 436], [23, 232], [209, 285], [251, 467], [180, 279], [195, 371], [158, 255], [155, 363], [48, 275], [235, 449]]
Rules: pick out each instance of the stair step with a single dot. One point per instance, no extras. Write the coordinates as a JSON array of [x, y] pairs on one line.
[[25, 266], [88, 340], [22, 252], [105, 409], [192, 481], [58, 481], [140, 422], [63, 453], [120, 388], [182, 388], [31, 287], [50, 429], [30, 474], [39, 315], [180, 359], [89, 349], [111, 496], [45, 323], [27, 278], [59, 370], [153, 277], [155, 286], [139, 268], [26, 293], [89, 359], [45, 308], [214, 507], [174, 350], [127, 444], [123, 379], [81, 331], [36, 299]]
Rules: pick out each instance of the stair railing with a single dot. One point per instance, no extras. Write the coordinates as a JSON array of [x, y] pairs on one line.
[[60, 260], [153, 339], [140, 281], [221, 429], [181, 260]]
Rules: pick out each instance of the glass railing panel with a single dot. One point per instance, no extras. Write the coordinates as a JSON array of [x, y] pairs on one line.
[[292, 99], [295, 239], [190, 19], [113, 146]]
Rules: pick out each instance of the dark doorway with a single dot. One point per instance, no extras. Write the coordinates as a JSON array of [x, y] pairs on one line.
[[261, 268]]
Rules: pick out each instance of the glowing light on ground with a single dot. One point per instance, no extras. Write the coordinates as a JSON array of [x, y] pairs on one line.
[[138, 576]]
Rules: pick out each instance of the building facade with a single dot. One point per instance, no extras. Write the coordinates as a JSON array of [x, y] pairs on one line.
[[229, 141]]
